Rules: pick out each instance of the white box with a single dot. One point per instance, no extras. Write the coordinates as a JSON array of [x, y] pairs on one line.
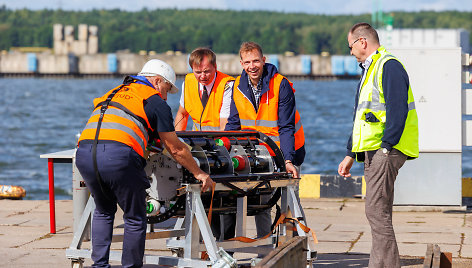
[[423, 38], [435, 177], [435, 79], [467, 101], [467, 133]]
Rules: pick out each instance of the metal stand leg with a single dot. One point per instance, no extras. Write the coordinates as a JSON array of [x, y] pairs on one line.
[[286, 231], [192, 232], [202, 225], [177, 252], [80, 195], [197, 219], [81, 232], [241, 216], [297, 212], [84, 222]]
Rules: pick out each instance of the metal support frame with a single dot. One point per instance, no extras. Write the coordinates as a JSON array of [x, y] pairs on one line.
[[293, 208], [241, 216], [79, 191], [197, 233]]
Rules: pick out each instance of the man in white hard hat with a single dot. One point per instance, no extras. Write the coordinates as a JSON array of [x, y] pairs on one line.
[[111, 157]]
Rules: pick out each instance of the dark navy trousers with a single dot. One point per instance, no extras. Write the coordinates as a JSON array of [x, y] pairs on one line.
[[122, 170]]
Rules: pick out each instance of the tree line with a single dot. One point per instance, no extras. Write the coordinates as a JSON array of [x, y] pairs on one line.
[[161, 30]]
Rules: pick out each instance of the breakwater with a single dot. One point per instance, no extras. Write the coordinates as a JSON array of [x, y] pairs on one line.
[[118, 64]]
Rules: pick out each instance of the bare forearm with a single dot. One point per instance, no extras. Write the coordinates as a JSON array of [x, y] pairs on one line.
[[181, 119], [181, 122], [223, 122], [181, 153], [184, 157]]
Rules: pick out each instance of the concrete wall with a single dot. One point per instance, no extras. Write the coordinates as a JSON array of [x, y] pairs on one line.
[[229, 64], [290, 65], [321, 65], [14, 63], [45, 63], [129, 63], [57, 64], [94, 64], [178, 62]]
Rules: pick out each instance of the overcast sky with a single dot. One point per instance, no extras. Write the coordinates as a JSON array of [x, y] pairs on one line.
[[307, 6]]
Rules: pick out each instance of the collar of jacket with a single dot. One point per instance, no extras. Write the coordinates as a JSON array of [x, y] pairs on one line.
[[269, 71], [137, 79], [375, 57]]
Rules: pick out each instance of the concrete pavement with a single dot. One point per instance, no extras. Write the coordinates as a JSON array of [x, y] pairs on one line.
[[340, 225]]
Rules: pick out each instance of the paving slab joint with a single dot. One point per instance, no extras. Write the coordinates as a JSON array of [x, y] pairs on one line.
[[460, 246], [353, 242]]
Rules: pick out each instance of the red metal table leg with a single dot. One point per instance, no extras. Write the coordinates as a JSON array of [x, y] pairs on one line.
[[52, 205]]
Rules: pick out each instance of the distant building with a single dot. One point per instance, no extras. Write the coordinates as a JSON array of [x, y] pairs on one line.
[[425, 38], [65, 43]]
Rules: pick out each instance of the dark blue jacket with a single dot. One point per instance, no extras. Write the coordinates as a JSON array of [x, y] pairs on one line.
[[286, 110]]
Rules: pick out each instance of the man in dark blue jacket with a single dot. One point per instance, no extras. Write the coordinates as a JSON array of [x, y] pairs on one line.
[[254, 84]]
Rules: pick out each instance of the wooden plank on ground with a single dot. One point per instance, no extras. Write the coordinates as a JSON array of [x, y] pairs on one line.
[[436, 257], [291, 254], [428, 258]]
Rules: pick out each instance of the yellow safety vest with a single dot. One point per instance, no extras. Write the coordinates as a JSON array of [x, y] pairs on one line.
[[367, 136]]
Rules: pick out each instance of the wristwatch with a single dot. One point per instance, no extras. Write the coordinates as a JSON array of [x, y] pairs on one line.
[[385, 151]]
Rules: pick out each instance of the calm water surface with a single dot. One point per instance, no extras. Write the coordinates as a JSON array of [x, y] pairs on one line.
[[41, 116]]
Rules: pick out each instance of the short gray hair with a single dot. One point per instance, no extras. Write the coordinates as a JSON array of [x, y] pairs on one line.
[[364, 29]]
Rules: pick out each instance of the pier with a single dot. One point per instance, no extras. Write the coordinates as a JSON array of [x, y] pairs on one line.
[[25, 239]]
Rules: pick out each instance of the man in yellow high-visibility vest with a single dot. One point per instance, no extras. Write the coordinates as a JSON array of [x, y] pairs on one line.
[[384, 136]]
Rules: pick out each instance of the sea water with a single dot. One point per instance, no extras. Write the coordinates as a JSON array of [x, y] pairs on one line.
[[41, 115]]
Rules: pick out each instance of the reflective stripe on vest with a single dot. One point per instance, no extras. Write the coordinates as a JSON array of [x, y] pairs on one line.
[[260, 122], [121, 113], [209, 128], [298, 125], [379, 106], [367, 135], [208, 117], [119, 125]]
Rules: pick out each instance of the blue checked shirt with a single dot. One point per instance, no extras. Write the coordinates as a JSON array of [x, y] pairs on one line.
[[256, 91]]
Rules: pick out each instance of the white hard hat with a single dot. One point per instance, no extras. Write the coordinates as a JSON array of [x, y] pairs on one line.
[[157, 67]]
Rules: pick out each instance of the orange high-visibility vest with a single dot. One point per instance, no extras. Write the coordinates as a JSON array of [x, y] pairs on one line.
[[208, 117], [265, 120], [125, 120]]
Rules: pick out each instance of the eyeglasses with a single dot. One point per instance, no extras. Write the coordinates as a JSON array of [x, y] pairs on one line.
[[350, 46]]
